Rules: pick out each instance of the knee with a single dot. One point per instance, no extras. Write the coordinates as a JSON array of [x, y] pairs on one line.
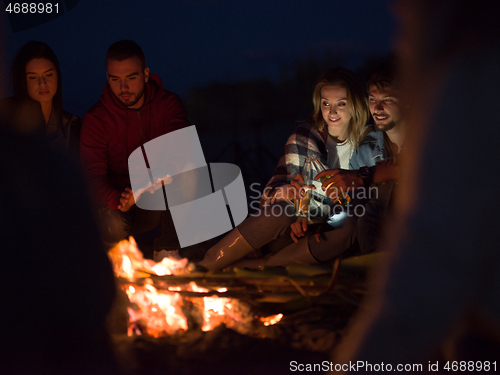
[[334, 242], [279, 211]]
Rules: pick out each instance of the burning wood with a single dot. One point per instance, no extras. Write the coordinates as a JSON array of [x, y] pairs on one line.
[[317, 312], [159, 307], [270, 320]]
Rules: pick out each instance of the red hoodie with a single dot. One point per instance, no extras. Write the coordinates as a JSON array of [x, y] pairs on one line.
[[111, 132]]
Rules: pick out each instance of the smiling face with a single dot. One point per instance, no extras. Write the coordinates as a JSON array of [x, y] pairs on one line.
[[384, 107], [127, 80], [41, 80], [335, 110]]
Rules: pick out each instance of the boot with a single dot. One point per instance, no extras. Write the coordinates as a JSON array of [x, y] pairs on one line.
[[295, 253], [231, 248]]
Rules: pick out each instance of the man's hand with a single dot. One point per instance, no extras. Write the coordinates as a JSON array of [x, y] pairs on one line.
[[126, 200], [338, 181]]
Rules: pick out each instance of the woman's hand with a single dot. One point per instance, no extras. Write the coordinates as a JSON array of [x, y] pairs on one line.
[[126, 200], [298, 181], [299, 228], [287, 192], [338, 181]]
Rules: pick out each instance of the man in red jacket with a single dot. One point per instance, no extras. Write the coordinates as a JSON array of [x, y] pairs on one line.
[[133, 109]]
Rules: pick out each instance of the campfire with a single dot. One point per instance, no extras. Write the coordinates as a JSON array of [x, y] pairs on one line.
[[180, 318], [163, 301]]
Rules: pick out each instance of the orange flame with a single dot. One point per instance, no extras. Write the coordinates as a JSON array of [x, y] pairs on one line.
[[215, 310], [270, 320], [159, 312], [129, 263]]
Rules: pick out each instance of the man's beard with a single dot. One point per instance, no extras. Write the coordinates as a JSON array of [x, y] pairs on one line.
[[131, 103], [385, 127]]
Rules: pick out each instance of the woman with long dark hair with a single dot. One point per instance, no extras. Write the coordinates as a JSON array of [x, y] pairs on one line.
[[36, 76]]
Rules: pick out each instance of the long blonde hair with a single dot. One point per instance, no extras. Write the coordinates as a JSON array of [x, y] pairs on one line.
[[356, 102]]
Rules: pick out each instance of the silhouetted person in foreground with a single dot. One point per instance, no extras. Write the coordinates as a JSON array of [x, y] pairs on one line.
[[56, 282], [439, 297]]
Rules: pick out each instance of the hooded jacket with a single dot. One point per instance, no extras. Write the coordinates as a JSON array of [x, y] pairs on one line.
[[111, 132]]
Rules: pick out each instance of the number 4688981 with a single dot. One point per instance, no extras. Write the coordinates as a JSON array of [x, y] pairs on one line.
[[32, 8], [470, 366]]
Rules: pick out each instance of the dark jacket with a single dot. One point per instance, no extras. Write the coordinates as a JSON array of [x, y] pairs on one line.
[[25, 114], [111, 132], [66, 134]]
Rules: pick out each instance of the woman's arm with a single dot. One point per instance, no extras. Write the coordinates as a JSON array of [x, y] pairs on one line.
[[301, 144]]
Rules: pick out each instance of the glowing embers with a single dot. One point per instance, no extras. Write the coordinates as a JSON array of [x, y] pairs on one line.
[[166, 310], [270, 320], [153, 312]]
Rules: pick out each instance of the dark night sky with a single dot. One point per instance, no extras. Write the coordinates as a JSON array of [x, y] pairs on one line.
[[200, 41]]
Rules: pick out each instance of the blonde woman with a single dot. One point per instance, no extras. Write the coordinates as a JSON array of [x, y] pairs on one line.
[[332, 133]]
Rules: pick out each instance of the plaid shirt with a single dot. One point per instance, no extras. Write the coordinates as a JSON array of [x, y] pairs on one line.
[[305, 142]]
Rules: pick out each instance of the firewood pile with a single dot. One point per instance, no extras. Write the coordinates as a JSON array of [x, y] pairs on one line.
[[314, 305]]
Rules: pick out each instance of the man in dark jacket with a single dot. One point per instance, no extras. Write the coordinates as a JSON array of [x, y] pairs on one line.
[[133, 109]]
